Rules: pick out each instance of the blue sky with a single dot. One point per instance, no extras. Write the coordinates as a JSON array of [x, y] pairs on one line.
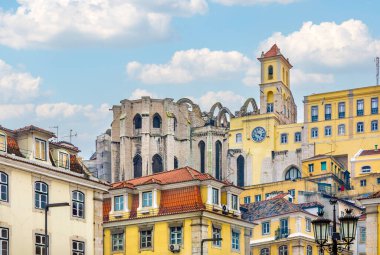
[[66, 62]]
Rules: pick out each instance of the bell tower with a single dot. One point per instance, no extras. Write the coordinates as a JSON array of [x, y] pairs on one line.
[[275, 94]]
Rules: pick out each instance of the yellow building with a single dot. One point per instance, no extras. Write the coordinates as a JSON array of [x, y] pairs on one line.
[[283, 227], [34, 172], [172, 212]]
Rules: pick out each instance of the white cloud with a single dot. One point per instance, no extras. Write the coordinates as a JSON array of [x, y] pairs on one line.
[[300, 77], [327, 44], [228, 99], [138, 93], [15, 111], [16, 85], [55, 23], [194, 64], [253, 2]]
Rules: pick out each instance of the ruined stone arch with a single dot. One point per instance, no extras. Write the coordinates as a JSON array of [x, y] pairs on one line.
[[243, 109], [213, 108], [222, 117], [195, 108]]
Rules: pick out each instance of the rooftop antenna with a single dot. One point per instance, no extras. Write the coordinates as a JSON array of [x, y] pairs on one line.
[[56, 133], [71, 135], [377, 60]]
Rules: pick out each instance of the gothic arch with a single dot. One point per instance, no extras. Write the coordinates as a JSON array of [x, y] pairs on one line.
[[195, 108], [240, 166], [202, 156], [137, 166], [243, 109], [213, 108], [157, 165], [221, 118], [218, 160]]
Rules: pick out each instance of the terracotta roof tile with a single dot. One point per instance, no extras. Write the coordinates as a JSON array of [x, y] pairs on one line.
[[34, 128], [369, 152], [274, 51], [12, 147]]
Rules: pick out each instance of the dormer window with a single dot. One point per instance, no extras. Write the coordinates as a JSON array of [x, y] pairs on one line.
[[3, 142], [63, 160], [215, 196], [40, 149], [147, 199], [234, 202], [118, 203]]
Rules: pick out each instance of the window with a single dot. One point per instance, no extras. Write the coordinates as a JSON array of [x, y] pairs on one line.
[[283, 250], [292, 174], [284, 138], [265, 228], [240, 162], [157, 166], [257, 198], [341, 110], [363, 183], [235, 240], [146, 239], [234, 202], [137, 166], [137, 121], [147, 199], [64, 160], [264, 251], [175, 235], [292, 192], [118, 203], [314, 132], [4, 241], [270, 107], [247, 200], [308, 224], [374, 105], [314, 113], [360, 127], [216, 233], [366, 169], [374, 125], [39, 243], [341, 129], [328, 131], [284, 231], [118, 242], [323, 165], [270, 72], [362, 235], [215, 196], [360, 107], [202, 155], [239, 138], [218, 160], [156, 121], [309, 250], [78, 248], [311, 168], [267, 195], [297, 137], [175, 163], [40, 195], [3, 187], [40, 150], [327, 111], [78, 204], [3, 143], [378, 180]]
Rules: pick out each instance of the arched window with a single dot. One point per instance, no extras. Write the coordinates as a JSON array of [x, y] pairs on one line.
[[292, 174], [309, 250], [175, 124], [218, 160], [157, 164], [366, 169], [78, 204], [3, 187], [270, 72], [41, 194], [283, 250], [175, 163], [156, 121], [202, 155], [264, 251], [137, 121], [240, 171], [137, 166]]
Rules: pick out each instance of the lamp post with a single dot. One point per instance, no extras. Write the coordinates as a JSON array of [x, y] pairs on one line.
[[340, 240], [209, 240], [46, 232]]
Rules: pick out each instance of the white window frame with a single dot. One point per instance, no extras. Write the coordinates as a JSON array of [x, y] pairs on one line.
[[79, 203], [4, 240], [258, 198], [147, 202], [60, 160], [328, 130], [4, 186], [39, 246], [247, 199], [366, 169], [40, 193], [116, 205], [314, 132], [363, 183], [284, 138], [235, 240], [76, 247], [360, 127], [265, 228], [37, 155], [341, 129], [239, 138], [297, 134], [117, 242], [234, 202], [216, 233], [216, 192], [3, 146], [308, 224], [176, 235], [374, 125], [144, 236], [361, 231]]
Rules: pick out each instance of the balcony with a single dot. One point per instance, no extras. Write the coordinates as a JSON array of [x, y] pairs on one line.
[[328, 116], [375, 110], [342, 115], [360, 112], [282, 233], [314, 118]]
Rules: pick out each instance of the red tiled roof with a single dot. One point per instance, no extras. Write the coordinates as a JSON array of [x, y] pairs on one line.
[[167, 177], [369, 152], [66, 145], [310, 204], [106, 208], [34, 128], [12, 147], [281, 195], [75, 166], [274, 50]]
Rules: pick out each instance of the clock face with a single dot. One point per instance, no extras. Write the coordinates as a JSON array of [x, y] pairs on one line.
[[258, 134]]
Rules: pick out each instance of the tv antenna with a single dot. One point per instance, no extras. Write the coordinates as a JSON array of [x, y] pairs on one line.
[[56, 133], [377, 61], [71, 135]]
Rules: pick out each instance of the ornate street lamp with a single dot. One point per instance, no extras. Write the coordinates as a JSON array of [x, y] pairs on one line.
[[340, 240]]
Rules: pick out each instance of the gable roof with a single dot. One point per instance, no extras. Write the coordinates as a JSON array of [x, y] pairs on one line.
[[272, 52]]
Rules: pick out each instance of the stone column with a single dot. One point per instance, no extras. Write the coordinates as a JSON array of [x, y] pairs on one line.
[[98, 223], [145, 136], [371, 228], [199, 231]]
